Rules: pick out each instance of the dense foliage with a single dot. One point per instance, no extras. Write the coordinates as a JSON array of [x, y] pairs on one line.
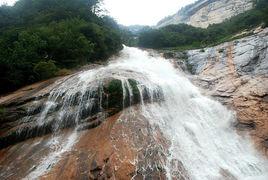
[[40, 37], [184, 36]]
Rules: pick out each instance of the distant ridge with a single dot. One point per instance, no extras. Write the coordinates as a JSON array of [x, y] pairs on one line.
[[202, 13]]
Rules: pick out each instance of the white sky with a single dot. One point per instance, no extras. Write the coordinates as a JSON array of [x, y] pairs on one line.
[[142, 12]]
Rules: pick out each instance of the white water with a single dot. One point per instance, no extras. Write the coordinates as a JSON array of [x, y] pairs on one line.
[[59, 145], [200, 129]]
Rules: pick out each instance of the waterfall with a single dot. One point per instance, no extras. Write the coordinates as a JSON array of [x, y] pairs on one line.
[[198, 128]]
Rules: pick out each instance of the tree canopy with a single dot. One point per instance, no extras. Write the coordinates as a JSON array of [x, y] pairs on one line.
[[52, 34]]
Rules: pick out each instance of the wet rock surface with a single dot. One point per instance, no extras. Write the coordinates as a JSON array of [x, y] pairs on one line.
[[114, 152], [22, 111], [78, 128], [122, 147], [236, 74], [113, 139]]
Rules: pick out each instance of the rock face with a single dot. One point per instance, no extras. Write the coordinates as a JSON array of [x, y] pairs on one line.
[[122, 147], [20, 117], [235, 73], [206, 12], [110, 140]]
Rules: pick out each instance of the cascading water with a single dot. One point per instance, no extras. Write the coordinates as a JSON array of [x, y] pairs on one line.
[[199, 129]]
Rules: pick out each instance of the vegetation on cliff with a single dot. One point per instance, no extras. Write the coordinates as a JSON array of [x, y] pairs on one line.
[[184, 36], [40, 37]]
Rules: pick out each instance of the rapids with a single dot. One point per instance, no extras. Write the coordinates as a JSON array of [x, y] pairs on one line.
[[199, 129]]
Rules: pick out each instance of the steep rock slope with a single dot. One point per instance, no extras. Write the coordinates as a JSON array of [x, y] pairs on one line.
[[139, 136], [206, 12], [235, 73], [111, 138]]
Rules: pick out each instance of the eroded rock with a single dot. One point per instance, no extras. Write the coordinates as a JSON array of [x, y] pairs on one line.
[[20, 119], [125, 146], [235, 73]]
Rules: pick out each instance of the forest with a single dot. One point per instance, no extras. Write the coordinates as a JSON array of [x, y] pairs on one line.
[[40, 39], [184, 36]]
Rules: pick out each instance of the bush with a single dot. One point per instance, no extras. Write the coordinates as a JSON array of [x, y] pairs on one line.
[[45, 70]]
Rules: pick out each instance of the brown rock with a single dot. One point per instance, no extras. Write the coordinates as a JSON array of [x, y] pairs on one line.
[[237, 77]]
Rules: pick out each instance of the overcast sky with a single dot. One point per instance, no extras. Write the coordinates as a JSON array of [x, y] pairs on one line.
[[143, 12]]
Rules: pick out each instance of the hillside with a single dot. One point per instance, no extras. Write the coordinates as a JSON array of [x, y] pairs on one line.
[[206, 12], [183, 36], [40, 39]]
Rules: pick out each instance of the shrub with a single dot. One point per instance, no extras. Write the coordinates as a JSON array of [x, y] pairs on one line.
[[45, 69]]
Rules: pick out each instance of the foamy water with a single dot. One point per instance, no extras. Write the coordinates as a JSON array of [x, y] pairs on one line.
[[199, 129]]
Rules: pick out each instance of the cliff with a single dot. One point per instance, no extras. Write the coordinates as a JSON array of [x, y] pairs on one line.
[[206, 12]]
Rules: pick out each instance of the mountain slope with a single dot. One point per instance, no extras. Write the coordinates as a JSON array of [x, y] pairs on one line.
[[40, 39], [205, 12]]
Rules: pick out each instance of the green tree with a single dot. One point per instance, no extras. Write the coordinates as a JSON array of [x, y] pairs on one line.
[[56, 34], [45, 69]]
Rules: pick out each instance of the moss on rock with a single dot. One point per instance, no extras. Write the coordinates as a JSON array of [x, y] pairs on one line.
[[135, 90], [114, 91]]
